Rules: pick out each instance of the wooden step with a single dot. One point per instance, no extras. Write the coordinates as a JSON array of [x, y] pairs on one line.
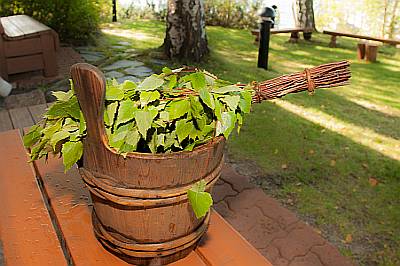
[[26, 231]]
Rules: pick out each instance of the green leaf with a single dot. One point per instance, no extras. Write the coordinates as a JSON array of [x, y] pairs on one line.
[[129, 85], [58, 136], [153, 143], [201, 122], [208, 129], [183, 129], [226, 89], [166, 70], [63, 96], [114, 93], [133, 137], [33, 136], [164, 116], [245, 101], [198, 81], [150, 83], [117, 138], [38, 150], [71, 152], [144, 118], [148, 96], [130, 140], [200, 200], [177, 108], [239, 118], [69, 108], [49, 131], [109, 114], [196, 107], [172, 82], [169, 139], [126, 111], [227, 124], [207, 98], [231, 100], [82, 124], [218, 109]]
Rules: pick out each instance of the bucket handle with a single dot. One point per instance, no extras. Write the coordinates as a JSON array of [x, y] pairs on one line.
[[90, 88]]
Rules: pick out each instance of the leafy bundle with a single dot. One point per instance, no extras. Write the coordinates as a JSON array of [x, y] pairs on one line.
[[174, 111]]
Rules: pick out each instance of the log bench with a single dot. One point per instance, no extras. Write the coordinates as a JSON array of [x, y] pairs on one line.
[[335, 34], [294, 34], [45, 218], [27, 45]]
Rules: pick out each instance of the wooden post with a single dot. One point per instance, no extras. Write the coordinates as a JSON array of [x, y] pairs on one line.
[[332, 44], [361, 50], [307, 35], [3, 62], [371, 52], [49, 54], [294, 37]]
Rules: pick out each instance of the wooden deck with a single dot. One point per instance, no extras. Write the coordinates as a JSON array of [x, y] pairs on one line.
[[20, 118], [46, 214]]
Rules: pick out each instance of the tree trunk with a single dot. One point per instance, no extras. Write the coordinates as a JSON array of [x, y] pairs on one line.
[[305, 14], [185, 37], [385, 15], [114, 11], [393, 20]]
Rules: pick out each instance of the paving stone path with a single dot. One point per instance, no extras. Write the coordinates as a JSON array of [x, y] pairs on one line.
[[274, 230], [121, 70]]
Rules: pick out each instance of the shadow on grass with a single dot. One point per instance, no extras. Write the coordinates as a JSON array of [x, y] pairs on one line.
[[338, 106]]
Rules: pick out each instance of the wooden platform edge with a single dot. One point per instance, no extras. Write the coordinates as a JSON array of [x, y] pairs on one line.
[[26, 230]]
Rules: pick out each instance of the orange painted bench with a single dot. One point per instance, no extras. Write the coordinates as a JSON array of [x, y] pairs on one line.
[[27, 45], [45, 219], [335, 34]]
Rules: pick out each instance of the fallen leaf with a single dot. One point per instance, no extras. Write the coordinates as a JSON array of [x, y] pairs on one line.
[[348, 239], [373, 182], [333, 163], [284, 166], [311, 152], [365, 165], [318, 231]]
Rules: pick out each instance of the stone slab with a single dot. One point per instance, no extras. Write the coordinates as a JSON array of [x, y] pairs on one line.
[[132, 78], [275, 231], [141, 71], [123, 64], [113, 74]]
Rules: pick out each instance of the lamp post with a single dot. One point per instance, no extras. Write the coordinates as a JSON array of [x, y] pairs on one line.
[[267, 22]]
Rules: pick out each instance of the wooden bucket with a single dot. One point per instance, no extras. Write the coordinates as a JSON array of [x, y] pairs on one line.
[[141, 210]]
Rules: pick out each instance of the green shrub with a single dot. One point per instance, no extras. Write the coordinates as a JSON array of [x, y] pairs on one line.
[[232, 14], [74, 20]]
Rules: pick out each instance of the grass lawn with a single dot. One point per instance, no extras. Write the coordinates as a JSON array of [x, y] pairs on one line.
[[334, 157]]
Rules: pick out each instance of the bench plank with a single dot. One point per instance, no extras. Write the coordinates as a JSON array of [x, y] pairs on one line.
[[5, 121], [10, 29], [334, 33], [21, 117], [70, 200], [26, 231], [22, 26]]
